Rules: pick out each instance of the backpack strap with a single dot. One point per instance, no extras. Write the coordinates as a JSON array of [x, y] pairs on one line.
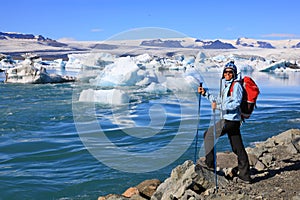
[[231, 88], [230, 91]]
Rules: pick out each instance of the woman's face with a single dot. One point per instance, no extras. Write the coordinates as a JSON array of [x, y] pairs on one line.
[[228, 74]]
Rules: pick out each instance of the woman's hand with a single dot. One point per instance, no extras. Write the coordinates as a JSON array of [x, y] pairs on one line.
[[214, 105], [201, 90]]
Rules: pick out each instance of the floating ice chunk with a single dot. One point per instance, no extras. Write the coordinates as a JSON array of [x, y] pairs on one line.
[[200, 58], [27, 73], [123, 72], [179, 57], [153, 64], [145, 81], [74, 62], [275, 65], [156, 88], [189, 60], [176, 67], [110, 97], [245, 68], [149, 77], [88, 60], [183, 84], [145, 58], [220, 58]]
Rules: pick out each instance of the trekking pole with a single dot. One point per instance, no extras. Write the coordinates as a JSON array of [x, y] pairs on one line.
[[196, 145], [215, 149]]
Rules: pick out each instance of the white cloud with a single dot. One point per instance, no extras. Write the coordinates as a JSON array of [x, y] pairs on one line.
[[282, 35], [96, 30], [66, 39], [229, 29]]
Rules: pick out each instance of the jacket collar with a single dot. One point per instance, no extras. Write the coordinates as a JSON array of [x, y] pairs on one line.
[[228, 82]]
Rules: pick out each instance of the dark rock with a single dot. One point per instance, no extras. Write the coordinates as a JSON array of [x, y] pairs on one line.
[[296, 46], [2, 37], [265, 45], [17, 35], [259, 44], [40, 39], [217, 44]]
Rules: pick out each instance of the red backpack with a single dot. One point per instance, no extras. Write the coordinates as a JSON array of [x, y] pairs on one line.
[[250, 94]]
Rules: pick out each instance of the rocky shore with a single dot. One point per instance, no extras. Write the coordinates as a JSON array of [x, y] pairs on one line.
[[275, 166]]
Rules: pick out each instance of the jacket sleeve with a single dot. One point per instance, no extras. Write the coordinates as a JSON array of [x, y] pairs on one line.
[[209, 96], [234, 101]]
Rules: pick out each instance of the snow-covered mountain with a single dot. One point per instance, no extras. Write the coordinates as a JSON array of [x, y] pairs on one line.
[[30, 37], [217, 44], [246, 42], [222, 44], [16, 44], [159, 42], [269, 44]]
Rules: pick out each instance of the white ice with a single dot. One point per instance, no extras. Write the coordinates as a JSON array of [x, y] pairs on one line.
[[108, 97], [145, 71]]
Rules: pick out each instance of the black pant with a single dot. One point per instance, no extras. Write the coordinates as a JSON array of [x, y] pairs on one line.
[[232, 128]]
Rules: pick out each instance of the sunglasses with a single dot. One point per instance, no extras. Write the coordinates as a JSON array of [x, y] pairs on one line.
[[230, 72]]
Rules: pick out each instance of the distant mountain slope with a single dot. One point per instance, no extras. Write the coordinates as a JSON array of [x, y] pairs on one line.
[[217, 44], [246, 42], [296, 46], [175, 43], [16, 44], [38, 38], [221, 43], [161, 43]]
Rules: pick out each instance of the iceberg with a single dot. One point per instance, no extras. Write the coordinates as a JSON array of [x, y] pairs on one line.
[[30, 74], [156, 88], [27, 72], [79, 62], [143, 58], [57, 65], [107, 97], [6, 62], [275, 65], [123, 72], [74, 63]]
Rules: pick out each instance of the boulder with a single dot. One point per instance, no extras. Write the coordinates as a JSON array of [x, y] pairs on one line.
[[148, 187], [130, 192], [186, 178]]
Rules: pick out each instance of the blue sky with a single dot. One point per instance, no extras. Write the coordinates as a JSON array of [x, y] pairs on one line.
[[102, 19]]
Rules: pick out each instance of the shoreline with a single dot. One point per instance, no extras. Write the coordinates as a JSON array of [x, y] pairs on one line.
[[275, 165]]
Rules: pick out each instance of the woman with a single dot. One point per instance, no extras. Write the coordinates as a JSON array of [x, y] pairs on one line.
[[229, 106]]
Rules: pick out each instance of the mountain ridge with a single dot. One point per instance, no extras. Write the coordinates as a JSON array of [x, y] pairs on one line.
[[37, 38], [16, 44], [171, 43]]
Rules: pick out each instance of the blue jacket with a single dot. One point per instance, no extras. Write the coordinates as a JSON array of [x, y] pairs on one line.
[[229, 106]]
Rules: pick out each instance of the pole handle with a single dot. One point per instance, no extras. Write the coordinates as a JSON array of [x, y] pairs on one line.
[[214, 108]]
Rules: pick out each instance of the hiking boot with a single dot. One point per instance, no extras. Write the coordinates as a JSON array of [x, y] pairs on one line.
[[238, 179], [203, 164]]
